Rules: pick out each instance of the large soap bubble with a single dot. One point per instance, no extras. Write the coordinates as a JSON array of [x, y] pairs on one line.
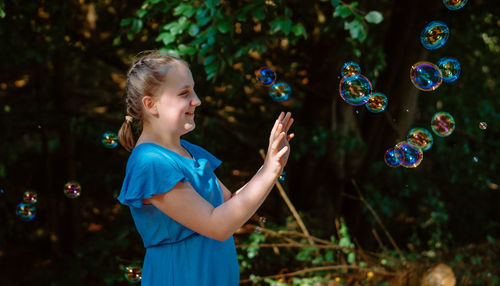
[[350, 69], [442, 124], [26, 211], [355, 90], [412, 155], [450, 68], [420, 138], [393, 157], [266, 76], [377, 102], [454, 4], [280, 91], [434, 35], [426, 76]]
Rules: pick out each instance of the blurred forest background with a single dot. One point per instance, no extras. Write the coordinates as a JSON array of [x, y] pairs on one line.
[[62, 85]]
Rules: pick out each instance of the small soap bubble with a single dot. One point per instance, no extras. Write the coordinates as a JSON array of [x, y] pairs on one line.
[[434, 35], [454, 4], [266, 76], [475, 159], [282, 177], [420, 138], [450, 68], [110, 140], [426, 76], [30, 197], [350, 69], [377, 102], [393, 157], [280, 91], [258, 229], [412, 155], [2, 191], [355, 90], [262, 219], [442, 124], [72, 189], [483, 125], [133, 273], [26, 211], [357, 111]]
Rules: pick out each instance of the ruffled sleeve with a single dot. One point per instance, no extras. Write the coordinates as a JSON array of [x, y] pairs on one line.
[[200, 153], [148, 173]]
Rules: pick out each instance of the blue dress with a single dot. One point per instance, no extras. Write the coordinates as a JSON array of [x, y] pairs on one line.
[[175, 254]]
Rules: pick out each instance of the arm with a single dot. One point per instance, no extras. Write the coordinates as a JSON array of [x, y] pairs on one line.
[[183, 204]]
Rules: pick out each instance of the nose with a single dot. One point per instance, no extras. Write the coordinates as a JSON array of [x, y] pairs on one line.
[[195, 101]]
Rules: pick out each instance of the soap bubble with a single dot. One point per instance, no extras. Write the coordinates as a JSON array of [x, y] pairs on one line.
[[420, 138], [350, 69], [434, 35], [110, 140], [475, 159], [412, 155], [393, 157], [355, 90], [483, 125], [280, 91], [282, 177], [26, 211], [426, 76], [30, 197], [442, 124], [377, 102], [72, 189], [454, 4], [450, 68], [266, 76], [258, 229], [133, 273]]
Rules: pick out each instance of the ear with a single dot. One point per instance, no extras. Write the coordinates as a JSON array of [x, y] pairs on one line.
[[150, 105]]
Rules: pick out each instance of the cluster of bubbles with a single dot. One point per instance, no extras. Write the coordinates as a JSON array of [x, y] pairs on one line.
[[356, 89], [26, 210], [110, 139], [427, 76], [278, 91], [133, 273]]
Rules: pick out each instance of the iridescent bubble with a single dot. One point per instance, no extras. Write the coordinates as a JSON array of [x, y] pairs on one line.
[[26, 211], [262, 219], [412, 155], [355, 90], [280, 91], [350, 69], [30, 197], [110, 140], [266, 76], [454, 4], [377, 102], [282, 177], [133, 273], [426, 76], [475, 159], [394, 157], [72, 189], [420, 138], [258, 229], [483, 125], [442, 124], [434, 35], [450, 68]]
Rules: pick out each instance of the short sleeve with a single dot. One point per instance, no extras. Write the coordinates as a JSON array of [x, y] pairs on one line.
[[148, 173], [201, 153]]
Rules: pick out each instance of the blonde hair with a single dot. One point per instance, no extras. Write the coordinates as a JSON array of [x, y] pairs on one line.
[[146, 77]]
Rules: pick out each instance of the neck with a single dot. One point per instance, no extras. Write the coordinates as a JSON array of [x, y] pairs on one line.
[[168, 140]]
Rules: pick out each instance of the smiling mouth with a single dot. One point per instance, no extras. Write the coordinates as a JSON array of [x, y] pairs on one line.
[[190, 113]]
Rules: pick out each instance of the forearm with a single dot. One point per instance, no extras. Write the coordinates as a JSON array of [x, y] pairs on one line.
[[232, 214]]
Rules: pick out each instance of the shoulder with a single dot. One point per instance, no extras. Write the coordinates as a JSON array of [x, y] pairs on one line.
[[147, 154], [193, 147]]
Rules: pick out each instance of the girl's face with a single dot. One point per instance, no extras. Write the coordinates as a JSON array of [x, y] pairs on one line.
[[178, 101]]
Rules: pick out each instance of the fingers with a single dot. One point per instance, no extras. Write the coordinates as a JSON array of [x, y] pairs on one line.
[[290, 136], [276, 143], [282, 152]]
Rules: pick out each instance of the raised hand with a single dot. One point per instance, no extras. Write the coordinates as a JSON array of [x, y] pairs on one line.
[[279, 147]]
